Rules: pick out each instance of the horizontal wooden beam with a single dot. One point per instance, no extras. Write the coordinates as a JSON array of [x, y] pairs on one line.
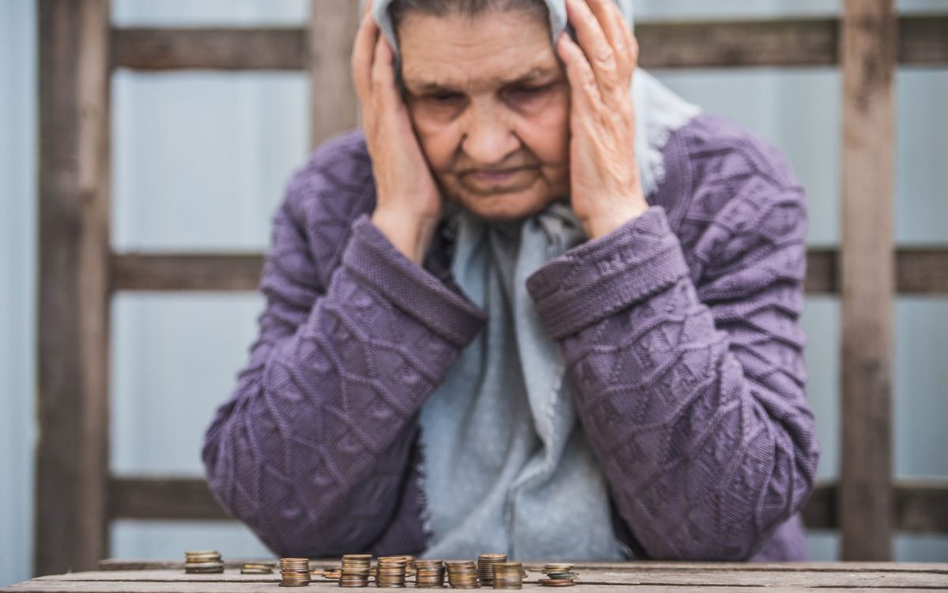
[[163, 498], [186, 272], [918, 271], [921, 506], [155, 49], [923, 41]]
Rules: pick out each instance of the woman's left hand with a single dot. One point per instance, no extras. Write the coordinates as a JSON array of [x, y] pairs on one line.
[[604, 177]]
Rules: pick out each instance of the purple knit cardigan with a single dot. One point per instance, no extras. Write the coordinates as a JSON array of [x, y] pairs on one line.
[[679, 329]]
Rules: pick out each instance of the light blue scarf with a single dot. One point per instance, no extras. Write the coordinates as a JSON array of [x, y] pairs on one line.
[[507, 466]]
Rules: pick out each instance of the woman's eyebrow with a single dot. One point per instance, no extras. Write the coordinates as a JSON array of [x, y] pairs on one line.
[[532, 74]]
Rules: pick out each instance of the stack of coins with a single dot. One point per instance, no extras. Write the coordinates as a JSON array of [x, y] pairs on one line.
[[295, 572], [332, 574], [508, 575], [203, 562], [429, 574], [462, 575], [485, 567], [355, 571], [256, 568], [410, 567], [391, 571], [559, 575]]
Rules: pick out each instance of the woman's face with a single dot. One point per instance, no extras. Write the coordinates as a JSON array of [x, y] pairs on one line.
[[490, 105]]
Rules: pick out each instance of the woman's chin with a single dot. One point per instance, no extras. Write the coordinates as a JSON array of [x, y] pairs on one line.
[[504, 206]]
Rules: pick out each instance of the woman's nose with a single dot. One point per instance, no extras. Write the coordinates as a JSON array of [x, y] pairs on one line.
[[488, 138]]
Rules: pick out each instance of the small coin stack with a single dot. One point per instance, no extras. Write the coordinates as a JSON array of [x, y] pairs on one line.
[[429, 574], [355, 571], [485, 567], [332, 574], [203, 562], [256, 568], [462, 575], [295, 572], [508, 575], [559, 575], [390, 572]]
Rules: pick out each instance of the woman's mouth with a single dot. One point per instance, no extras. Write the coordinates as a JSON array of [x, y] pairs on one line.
[[497, 180]]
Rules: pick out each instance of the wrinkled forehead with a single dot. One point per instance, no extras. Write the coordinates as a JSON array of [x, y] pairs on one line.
[[557, 9]]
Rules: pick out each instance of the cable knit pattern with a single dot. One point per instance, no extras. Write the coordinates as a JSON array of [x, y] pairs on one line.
[[680, 330]]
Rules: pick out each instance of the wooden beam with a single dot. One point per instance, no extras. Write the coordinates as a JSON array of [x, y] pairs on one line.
[[918, 271], [717, 44], [157, 49], [333, 102], [186, 272], [72, 453], [867, 279], [923, 41], [163, 498], [921, 505], [921, 271]]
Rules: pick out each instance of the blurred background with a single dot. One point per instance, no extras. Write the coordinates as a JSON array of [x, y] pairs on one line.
[[200, 161]]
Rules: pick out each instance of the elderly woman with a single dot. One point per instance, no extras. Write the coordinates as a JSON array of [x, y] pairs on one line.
[[536, 307]]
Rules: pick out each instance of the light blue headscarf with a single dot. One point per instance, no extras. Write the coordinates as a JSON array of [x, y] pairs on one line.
[[507, 466]]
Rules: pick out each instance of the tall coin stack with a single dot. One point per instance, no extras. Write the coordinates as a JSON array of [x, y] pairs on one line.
[[559, 575], [295, 572], [391, 571], [429, 574], [508, 575], [356, 569], [462, 575], [203, 562], [485, 567]]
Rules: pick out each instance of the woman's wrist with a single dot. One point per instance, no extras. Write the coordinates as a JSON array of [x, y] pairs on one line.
[[408, 233], [605, 223]]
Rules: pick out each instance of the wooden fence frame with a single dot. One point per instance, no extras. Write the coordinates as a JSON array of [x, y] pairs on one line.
[[79, 49]]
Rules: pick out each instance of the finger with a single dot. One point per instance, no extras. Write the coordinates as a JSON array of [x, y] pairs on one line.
[[383, 68], [611, 21], [629, 41], [582, 79], [367, 8], [593, 42], [363, 51]]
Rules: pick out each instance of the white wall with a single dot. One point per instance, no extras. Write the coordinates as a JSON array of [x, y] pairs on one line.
[[201, 160]]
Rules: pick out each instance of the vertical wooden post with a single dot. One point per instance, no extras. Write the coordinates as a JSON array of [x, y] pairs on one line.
[[868, 277], [333, 103], [72, 455]]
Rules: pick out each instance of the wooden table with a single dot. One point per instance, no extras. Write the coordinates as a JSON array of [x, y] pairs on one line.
[[658, 577]]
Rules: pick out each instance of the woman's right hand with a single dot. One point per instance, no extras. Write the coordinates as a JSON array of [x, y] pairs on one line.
[[409, 202]]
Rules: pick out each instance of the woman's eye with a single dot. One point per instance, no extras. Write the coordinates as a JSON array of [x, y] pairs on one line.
[[444, 97], [528, 92]]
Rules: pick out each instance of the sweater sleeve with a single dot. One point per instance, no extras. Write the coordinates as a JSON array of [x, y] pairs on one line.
[[692, 393], [312, 450]]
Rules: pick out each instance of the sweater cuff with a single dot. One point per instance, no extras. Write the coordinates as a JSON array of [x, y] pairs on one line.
[[374, 260], [600, 277]]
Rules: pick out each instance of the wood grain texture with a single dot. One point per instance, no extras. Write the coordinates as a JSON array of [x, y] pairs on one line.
[[921, 506], [918, 271], [158, 49], [637, 576], [868, 279], [923, 41], [163, 498], [186, 272], [333, 102], [72, 452]]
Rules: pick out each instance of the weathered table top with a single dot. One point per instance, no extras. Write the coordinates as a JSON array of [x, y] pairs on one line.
[[658, 577]]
